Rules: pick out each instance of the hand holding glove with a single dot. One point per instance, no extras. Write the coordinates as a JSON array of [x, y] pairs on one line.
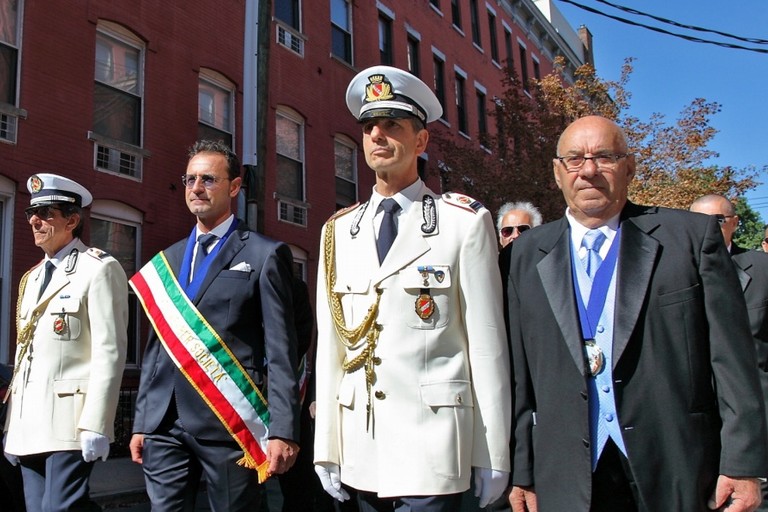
[[490, 484], [94, 445], [330, 478]]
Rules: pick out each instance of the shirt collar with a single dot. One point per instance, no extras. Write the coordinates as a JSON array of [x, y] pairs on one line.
[[63, 252], [404, 198], [578, 230], [219, 230]]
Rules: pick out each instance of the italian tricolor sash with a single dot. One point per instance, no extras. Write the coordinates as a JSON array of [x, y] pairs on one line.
[[205, 360]]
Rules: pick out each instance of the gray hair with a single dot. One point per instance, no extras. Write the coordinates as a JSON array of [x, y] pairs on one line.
[[525, 206]]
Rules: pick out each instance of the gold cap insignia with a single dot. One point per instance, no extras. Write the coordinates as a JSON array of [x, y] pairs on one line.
[[378, 89], [36, 184]]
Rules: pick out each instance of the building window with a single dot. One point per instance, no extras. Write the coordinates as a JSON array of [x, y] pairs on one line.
[[492, 36], [461, 103], [509, 50], [536, 68], [116, 229], [117, 100], [482, 121], [385, 40], [435, 4], [10, 28], [456, 14], [524, 67], [341, 30], [345, 163], [414, 65], [289, 12], [290, 155], [291, 173], [439, 79], [475, 20], [215, 108]]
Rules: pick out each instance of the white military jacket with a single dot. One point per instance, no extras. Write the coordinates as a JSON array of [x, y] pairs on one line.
[[69, 378], [440, 397]]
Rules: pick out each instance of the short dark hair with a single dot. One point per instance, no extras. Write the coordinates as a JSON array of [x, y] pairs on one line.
[[68, 210], [217, 146]]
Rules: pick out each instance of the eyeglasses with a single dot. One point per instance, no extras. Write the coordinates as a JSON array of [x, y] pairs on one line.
[[507, 231], [209, 180], [603, 161], [41, 212], [721, 218]]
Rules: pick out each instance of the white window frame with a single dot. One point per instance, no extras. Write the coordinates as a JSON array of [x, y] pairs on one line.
[[120, 213], [117, 150], [218, 81]]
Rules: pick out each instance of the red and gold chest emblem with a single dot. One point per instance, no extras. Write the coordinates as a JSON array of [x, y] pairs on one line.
[[59, 325], [425, 306]]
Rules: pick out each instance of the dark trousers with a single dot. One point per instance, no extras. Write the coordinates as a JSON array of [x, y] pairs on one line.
[[370, 502], [613, 489], [57, 482], [174, 462]]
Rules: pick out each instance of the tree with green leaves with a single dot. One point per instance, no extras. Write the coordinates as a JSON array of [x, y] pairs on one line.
[[516, 163]]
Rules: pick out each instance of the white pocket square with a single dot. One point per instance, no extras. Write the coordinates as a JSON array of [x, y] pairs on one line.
[[241, 267]]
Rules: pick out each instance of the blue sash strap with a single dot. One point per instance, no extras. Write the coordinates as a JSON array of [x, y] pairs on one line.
[[191, 287]]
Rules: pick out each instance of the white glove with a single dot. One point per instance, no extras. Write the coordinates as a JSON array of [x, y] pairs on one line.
[[13, 459], [490, 484], [330, 479], [94, 445]]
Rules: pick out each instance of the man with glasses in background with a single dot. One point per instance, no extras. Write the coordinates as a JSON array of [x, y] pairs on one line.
[[513, 219], [221, 305], [634, 369], [70, 352], [752, 269], [722, 209]]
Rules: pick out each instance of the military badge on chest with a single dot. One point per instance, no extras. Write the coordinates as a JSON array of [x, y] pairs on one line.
[[425, 304], [60, 324]]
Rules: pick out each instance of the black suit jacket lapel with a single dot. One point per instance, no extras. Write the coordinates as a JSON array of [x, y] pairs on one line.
[[175, 255], [554, 271], [637, 256], [744, 277]]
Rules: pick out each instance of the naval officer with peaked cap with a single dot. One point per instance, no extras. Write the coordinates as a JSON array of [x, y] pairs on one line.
[[412, 362], [71, 325]]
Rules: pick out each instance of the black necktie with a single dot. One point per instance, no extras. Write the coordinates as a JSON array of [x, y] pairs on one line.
[[203, 242], [49, 268], [388, 229]]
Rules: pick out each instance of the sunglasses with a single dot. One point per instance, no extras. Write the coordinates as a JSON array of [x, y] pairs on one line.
[[722, 218], [209, 181], [41, 212], [508, 230]]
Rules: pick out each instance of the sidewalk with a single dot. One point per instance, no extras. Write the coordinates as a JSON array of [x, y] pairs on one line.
[[117, 481]]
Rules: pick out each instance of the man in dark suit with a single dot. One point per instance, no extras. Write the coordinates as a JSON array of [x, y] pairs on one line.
[[752, 269], [635, 387], [200, 408]]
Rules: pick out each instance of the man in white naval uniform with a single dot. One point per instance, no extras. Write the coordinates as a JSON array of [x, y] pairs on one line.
[[72, 334], [412, 364]]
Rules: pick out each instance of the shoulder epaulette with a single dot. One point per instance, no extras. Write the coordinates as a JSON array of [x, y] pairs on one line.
[[462, 201], [343, 211], [97, 253]]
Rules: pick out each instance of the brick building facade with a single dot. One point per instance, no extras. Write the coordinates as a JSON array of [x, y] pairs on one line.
[[111, 94]]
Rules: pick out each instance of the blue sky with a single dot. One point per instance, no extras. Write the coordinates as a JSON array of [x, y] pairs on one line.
[[670, 72]]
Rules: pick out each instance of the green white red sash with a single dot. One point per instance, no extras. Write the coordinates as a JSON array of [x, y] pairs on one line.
[[205, 360]]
